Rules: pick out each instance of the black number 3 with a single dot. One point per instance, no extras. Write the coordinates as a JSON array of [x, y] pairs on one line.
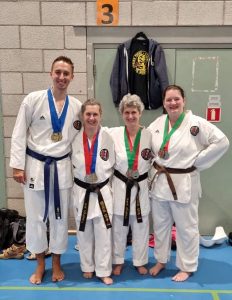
[[108, 14]]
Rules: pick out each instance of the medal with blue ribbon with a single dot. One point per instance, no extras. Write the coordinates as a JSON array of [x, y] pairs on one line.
[[90, 157], [57, 123]]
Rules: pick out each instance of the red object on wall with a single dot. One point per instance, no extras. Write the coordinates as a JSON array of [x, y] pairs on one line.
[[213, 114]]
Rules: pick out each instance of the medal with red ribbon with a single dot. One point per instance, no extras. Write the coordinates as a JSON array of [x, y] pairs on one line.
[[132, 153], [90, 157], [163, 151]]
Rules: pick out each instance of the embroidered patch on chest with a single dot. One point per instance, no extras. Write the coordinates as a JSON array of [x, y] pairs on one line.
[[194, 130], [77, 124], [146, 153], [104, 154]]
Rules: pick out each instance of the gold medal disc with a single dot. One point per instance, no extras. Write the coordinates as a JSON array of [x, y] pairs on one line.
[[60, 136], [56, 136]]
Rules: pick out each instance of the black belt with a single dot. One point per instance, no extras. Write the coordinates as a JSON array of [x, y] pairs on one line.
[[93, 188], [48, 160], [130, 182], [167, 172]]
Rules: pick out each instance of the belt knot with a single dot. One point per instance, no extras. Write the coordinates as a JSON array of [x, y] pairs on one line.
[[93, 188]]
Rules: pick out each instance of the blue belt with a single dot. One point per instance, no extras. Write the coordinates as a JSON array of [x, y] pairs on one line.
[[48, 161]]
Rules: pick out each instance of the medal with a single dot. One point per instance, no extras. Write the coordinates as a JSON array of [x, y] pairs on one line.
[[132, 152], [57, 122], [129, 173], [91, 178], [90, 158], [135, 174], [56, 136], [166, 155], [132, 174], [161, 153]]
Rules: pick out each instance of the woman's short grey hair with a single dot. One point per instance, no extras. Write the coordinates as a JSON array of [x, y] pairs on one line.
[[131, 101]]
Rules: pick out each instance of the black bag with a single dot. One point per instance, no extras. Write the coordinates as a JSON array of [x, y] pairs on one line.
[[7, 218], [230, 238], [18, 228]]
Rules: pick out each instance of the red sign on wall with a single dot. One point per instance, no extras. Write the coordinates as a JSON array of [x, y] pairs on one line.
[[213, 114]]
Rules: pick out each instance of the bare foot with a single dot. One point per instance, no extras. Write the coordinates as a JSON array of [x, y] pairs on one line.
[[181, 276], [106, 280], [57, 272], [142, 270], [37, 277], [117, 270], [57, 275], [156, 269], [88, 275]]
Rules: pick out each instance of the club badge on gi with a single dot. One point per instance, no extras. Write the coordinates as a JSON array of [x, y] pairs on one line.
[[194, 130], [104, 154], [91, 178], [77, 125], [56, 136], [146, 154]]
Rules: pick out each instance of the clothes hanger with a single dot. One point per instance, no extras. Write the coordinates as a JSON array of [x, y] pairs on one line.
[[141, 35]]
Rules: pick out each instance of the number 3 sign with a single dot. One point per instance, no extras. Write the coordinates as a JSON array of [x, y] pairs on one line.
[[107, 12]]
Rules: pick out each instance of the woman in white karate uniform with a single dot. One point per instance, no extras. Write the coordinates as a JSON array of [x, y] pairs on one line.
[[183, 144], [130, 187], [93, 158]]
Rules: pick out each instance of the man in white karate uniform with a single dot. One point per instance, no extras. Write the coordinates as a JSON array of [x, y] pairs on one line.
[[40, 157]]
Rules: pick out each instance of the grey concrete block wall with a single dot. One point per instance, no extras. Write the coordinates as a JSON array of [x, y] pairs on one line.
[[63, 13], [42, 37], [202, 12], [21, 60], [11, 83], [33, 33], [20, 13], [13, 33], [75, 37], [228, 13], [7, 142], [156, 13]]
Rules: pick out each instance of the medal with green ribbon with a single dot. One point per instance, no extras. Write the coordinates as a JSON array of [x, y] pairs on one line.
[[132, 153], [163, 152]]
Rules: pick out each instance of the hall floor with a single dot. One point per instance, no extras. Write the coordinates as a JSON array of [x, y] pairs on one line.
[[213, 280]]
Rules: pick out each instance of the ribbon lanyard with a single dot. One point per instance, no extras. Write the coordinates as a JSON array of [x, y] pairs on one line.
[[57, 123], [132, 152], [90, 153], [167, 135]]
